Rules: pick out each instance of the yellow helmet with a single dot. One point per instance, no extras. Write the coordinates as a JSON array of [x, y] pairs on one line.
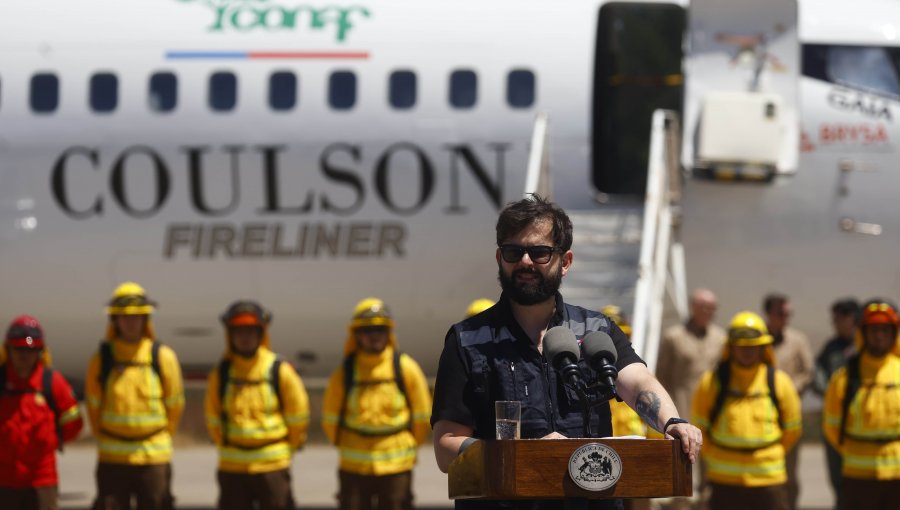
[[371, 312], [748, 329], [614, 312], [130, 298], [478, 306]]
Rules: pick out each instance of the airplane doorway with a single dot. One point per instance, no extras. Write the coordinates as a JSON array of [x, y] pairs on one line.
[[637, 69]]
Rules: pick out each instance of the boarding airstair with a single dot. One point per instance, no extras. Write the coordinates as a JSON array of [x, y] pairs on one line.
[[627, 251]]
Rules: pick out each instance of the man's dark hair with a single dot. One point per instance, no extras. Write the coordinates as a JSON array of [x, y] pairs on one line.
[[517, 216], [773, 301], [845, 307]]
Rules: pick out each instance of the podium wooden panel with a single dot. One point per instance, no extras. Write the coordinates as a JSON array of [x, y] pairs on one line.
[[538, 469]]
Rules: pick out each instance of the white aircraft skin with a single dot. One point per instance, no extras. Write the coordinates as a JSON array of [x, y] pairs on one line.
[[88, 199], [746, 240]]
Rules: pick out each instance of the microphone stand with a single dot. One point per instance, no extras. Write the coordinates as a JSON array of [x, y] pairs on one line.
[[594, 395]]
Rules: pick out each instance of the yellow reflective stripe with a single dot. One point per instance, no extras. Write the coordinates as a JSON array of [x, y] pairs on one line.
[[745, 442], [423, 416], [377, 456], [330, 418], [94, 401], [133, 419], [255, 432], [877, 435], [268, 453], [833, 421], [174, 400], [128, 448], [793, 424], [770, 468], [865, 462], [297, 419], [70, 415], [213, 420], [377, 429]]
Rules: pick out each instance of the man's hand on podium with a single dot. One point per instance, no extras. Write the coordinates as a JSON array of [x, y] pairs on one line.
[[691, 439], [554, 435]]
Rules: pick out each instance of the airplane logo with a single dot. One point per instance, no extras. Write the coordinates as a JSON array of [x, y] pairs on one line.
[[254, 16]]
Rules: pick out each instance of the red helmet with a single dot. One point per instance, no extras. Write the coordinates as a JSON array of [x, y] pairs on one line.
[[25, 331]]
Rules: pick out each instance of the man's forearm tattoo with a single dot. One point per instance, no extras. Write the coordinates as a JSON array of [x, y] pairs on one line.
[[647, 406]]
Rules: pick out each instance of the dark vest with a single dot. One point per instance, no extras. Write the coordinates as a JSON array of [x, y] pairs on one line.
[[504, 364]]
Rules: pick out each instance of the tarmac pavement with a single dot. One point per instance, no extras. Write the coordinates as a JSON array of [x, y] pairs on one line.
[[314, 475]]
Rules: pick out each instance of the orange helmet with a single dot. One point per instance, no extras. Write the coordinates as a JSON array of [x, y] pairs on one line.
[[880, 311], [246, 313], [25, 332]]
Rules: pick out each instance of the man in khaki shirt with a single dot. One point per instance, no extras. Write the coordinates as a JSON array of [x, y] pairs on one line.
[[794, 355], [686, 351]]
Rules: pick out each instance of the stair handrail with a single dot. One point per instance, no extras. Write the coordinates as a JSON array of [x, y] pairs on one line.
[[661, 262], [537, 176]]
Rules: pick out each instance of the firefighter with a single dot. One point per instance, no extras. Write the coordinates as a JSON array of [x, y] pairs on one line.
[[38, 413], [862, 412], [749, 413], [257, 413], [376, 410], [135, 398], [477, 306]]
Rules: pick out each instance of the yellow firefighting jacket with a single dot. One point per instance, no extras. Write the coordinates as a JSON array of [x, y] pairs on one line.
[[261, 431], [136, 414], [381, 431], [871, 448], [625, 422], [746, 445]]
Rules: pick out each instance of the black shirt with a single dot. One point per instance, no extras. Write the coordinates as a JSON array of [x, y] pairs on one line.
[[489, 357]]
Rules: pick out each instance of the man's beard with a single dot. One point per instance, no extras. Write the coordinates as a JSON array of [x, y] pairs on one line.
[[530, 293]]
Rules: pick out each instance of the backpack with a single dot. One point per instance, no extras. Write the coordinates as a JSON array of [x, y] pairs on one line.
[[107, 361], [47, 392], [853, 383], [350, 381], [274, 381], [723, 374]]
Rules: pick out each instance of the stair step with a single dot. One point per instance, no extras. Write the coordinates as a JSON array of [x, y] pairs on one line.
[[607, 244]]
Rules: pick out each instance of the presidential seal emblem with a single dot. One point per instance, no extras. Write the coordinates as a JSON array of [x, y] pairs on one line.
[[595, 467]]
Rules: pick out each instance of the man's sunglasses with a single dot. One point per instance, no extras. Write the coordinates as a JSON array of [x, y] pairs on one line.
[[513, 253]]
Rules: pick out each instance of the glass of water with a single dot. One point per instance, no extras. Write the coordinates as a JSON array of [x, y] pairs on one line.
[[509, 418]]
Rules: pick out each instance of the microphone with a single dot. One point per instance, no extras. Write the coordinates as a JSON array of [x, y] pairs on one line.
[[561, 350], [601, 355]]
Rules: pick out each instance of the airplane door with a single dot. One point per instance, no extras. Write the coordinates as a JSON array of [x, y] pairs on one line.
[[637, 69]]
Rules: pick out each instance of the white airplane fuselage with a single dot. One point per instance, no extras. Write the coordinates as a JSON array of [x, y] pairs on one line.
[[312, 207]]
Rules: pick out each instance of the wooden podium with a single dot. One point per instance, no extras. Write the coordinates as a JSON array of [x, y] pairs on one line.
[[539, 469]]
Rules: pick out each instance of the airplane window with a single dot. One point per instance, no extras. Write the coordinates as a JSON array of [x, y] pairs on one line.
[[104, 92], [163, 94], [463, 89], [867, 68], [520, 88], [282, 90], [222, 91], [402, 89], [342, 90], [44, 92]]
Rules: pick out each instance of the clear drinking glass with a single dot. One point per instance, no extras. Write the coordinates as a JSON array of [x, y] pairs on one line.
[[509, 418]]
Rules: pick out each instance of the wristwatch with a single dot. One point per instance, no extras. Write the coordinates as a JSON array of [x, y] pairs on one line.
[[673, 421]]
